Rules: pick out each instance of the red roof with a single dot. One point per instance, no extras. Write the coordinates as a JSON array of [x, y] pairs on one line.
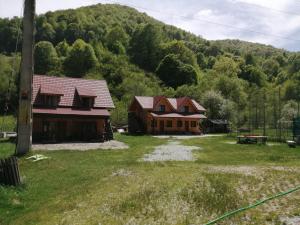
[[177, 115], [51, 89], [84, 92], [149, 102], [67, 86], [70, 111]]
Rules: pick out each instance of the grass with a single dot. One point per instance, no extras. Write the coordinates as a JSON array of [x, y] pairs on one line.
[[7, 123], [115, 187]]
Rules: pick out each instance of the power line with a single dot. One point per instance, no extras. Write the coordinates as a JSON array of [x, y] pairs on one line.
[[207, 21], [276, 10]]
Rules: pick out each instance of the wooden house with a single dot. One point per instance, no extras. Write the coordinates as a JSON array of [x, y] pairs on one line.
[[70, 109], [160, 115], [216, 126]]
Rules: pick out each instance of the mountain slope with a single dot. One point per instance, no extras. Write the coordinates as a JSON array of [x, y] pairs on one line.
[[139, 55]]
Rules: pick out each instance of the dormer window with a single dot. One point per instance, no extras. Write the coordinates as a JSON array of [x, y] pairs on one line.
[[162, 108], [87, 102], [86, 96], [50, 100], [186, 109], [50, 95]]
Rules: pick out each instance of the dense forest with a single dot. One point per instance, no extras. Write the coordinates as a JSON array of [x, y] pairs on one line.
[[138, 55]]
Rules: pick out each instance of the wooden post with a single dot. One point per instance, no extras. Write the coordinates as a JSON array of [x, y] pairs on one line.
[[264, 108], [24, 127]]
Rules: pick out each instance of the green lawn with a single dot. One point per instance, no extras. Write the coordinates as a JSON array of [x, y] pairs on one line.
[[115, 187]]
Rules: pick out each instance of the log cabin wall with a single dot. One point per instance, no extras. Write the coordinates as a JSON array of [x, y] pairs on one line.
[[68, 128]]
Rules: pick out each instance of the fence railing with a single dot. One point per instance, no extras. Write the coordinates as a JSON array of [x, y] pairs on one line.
[[9, 171]]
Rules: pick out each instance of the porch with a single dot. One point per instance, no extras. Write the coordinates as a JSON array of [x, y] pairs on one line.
[[173, 126], [57, 129]]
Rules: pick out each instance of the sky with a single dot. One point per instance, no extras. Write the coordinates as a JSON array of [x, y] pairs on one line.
[[274, 22]]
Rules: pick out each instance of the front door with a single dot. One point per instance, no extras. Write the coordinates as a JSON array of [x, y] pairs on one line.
[[49, 131], [88, 131], [161, 126], [61, 131], [186, 125]]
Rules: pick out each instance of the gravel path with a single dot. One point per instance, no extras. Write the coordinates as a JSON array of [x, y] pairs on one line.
[[81, 146], [172, 151]]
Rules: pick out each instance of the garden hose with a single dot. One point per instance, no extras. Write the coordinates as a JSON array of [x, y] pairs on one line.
[[260, 202]]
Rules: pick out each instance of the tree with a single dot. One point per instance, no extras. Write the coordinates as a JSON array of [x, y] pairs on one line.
[[45, 32], [213, 50], [119, 114], [45, 57], [117, 40], [73, 32], [62, 49], [144, 46], [213, 101], [179, 49], [8, 74], [253, 75], [175, 73], [289, 111], [80, 60], [249, 59], [231, 88], [295, 64], [271, 68], [201, 60], [226, 66]]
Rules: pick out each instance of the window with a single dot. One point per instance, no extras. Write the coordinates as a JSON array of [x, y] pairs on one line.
[[193, 123], [49, 100], [87, 102], [153, 123], [169, 123], [162, 108], [179, 123], [186, 109]]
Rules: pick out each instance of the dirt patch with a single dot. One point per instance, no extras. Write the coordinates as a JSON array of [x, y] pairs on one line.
[[172, 151], [122, 173], [81, 146], [290, 221], [244, 170]]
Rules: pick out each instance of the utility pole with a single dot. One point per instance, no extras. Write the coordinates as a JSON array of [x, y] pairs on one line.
[[24, 127], [279, 111], [264, 108]]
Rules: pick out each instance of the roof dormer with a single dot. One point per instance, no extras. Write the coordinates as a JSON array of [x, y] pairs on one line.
[[86, 97]]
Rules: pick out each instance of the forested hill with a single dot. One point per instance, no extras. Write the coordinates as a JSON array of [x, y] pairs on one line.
[[138, 55]]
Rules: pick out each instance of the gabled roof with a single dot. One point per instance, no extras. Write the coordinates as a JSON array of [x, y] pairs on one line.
[[149, 102], [67, 87], [85, 92]]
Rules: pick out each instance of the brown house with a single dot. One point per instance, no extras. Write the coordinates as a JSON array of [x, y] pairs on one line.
[[69, 109], [158, 115]]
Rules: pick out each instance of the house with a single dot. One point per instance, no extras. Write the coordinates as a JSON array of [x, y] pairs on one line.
[[159, 115], [216, 126], [70, 109]]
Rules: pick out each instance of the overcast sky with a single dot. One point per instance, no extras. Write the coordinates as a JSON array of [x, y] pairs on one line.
[[275, 22]]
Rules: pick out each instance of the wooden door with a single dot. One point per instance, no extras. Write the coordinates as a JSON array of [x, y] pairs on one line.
[[61, 131], [186, 125], [161, 126]]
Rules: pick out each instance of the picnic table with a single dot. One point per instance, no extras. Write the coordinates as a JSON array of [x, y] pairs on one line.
[[251, 139]]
